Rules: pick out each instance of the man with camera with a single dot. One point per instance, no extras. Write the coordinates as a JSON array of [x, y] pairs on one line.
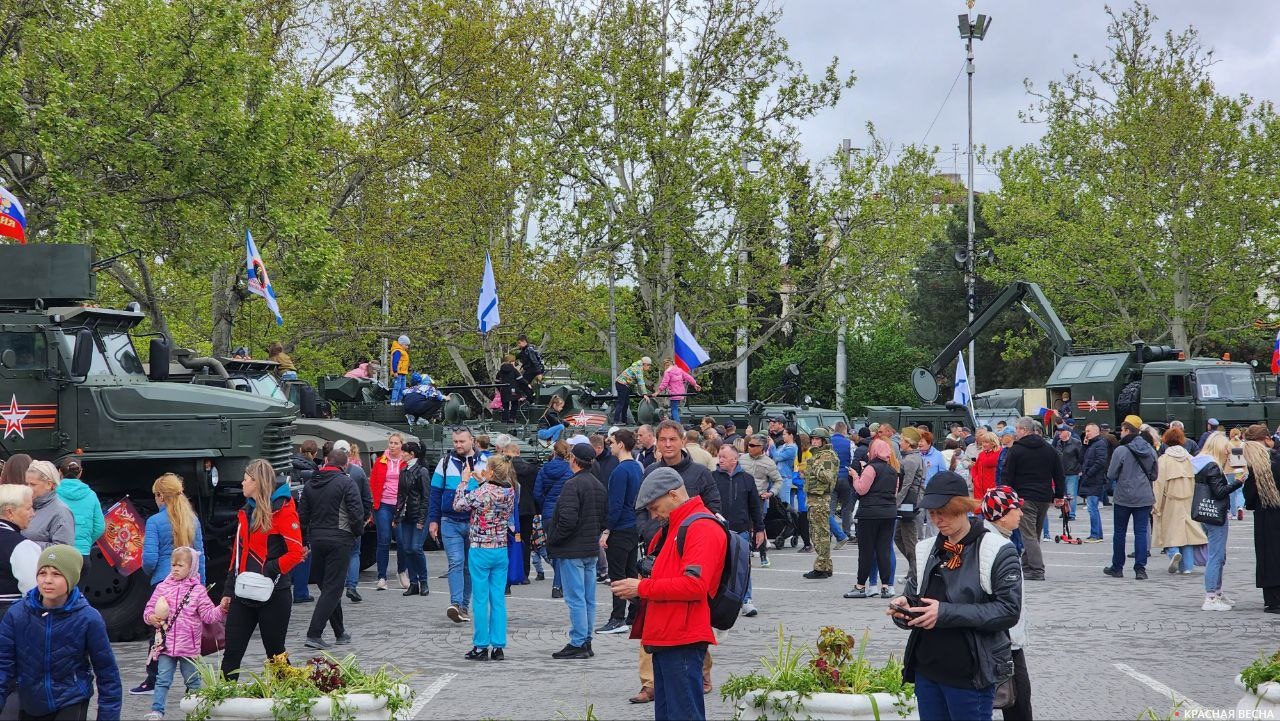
[[674, 621]]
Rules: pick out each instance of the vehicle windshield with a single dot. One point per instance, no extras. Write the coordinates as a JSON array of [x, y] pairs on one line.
[[266, 385], [119, 357], [1227, 383]]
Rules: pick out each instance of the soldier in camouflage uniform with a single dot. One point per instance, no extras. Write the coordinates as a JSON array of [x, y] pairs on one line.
[[819, 481]]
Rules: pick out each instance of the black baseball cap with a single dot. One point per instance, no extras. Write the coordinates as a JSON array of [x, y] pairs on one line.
[[944, 486]]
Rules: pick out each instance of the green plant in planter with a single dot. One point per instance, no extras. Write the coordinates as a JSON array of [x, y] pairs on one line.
[[1266, 668], [837, 664], [295, 689]]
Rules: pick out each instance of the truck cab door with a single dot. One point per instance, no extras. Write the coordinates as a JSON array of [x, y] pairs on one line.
[[1181, 401], [28, 395]]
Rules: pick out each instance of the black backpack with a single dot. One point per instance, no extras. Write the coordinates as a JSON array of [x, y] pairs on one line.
[[735, 578]]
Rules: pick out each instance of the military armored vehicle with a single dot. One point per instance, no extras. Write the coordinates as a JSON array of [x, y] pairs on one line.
[[756, 414], [1157, 383], [939, 418], [77, 388]]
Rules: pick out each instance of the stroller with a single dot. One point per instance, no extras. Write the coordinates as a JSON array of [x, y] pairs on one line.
[[1065, 536], [781, 522]]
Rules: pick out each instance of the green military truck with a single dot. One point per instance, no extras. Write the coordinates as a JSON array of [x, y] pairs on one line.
[[77, 388], [756, 414], [939, 418], [1159, 385]]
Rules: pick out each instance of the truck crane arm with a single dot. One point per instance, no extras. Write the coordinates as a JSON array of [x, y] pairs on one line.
[[924, 380]]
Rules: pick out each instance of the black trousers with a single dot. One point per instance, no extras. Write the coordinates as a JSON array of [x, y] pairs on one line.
[[875, 539], [526, 533], [1021, 708], [622, 405], [844, 500], [623, 563], [271, 619], [74, 712], [803, 528], [1271, 596], [331, 556], [508, 403]]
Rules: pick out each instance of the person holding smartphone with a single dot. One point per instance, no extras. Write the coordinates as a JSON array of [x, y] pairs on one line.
[[959, 647]]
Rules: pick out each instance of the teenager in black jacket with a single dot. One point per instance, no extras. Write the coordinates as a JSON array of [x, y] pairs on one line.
[[411, 517], [573, 539]]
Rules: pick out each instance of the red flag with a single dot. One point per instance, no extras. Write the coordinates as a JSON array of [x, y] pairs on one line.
[[121, 543]]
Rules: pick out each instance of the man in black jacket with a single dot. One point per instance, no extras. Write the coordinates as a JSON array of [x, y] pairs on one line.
[[1071, 451], [1093, 478], [331, 515], [573, 539], [740, 506], [1034, 470]]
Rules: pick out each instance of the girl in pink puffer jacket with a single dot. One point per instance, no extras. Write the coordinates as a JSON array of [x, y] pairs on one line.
[[675, 381], [179, 608]]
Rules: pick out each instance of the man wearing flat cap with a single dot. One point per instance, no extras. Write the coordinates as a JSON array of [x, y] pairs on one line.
[[573, 538], [674, 621]]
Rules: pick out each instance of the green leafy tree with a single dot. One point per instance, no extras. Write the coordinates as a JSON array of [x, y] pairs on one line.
[[1147, 209]]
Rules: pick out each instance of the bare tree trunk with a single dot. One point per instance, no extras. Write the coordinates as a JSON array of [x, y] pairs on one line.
[[227, 299], [144, 294]]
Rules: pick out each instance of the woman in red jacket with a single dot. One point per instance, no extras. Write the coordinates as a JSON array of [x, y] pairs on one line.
[[983, 472], [384, 482], [268, 541]]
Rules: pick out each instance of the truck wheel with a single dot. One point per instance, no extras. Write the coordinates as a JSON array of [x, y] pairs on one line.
[[1129, 401], [120, 599]]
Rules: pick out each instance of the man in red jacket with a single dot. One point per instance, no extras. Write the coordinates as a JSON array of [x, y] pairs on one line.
[[674, 621]]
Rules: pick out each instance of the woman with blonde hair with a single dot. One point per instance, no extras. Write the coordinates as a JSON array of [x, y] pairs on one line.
[[550, 425], [491, 504], [1212, 470], [1263, 498], [956, 656], [267, 542], [1175, 485], [983, 472], [174, 525], [877, 512], [53, 524]]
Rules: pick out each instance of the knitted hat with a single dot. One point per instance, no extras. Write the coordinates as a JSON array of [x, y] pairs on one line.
[[864, 432], [911, 434], [873, 428], [403, 340], [1133, 420], [997, 502], [66, 560]]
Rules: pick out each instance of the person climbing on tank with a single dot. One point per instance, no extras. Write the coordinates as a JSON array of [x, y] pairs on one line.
[[399, 368]]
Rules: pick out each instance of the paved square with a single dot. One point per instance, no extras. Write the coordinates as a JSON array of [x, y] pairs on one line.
[[1099, 647]]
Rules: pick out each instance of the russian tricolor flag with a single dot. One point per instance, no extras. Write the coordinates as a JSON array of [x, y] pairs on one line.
[[689, 354], [1275, 356], [13, 219]]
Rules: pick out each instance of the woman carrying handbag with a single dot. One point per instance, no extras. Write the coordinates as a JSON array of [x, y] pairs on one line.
[[1209, 507], [268, 544]]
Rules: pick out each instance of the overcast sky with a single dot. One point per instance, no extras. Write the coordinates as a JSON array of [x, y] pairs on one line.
[[906, 53]]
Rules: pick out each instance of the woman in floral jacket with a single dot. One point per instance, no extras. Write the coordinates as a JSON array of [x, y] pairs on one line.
[[492, 504]]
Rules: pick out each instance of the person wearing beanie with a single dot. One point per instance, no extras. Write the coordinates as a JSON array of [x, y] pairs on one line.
[[53, 645], [1002, 510], [399, 368], [573, 537]]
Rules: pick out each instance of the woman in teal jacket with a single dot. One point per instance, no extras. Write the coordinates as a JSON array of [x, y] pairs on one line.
[[84, 506]]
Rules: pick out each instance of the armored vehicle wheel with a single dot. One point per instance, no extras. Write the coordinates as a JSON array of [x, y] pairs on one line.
[[120, 599]]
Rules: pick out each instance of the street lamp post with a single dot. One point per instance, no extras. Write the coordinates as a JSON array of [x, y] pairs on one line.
[[740, 385], [843, 218], [969, 31]]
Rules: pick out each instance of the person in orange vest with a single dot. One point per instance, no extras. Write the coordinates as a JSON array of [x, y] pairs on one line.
[[399, 367]]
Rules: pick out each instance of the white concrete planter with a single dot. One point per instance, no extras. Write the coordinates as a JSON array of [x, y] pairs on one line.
[[778, 705], [358, 705], [1267, 699]]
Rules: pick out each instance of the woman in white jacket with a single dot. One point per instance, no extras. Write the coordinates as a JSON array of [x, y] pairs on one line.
[[1002, 509]]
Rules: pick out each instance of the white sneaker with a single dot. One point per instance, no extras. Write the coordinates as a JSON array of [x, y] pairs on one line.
[[154, 716], [749, 610], [404, 579], [382, 584], [1226, 599], [1175, 561], [1215, 604]]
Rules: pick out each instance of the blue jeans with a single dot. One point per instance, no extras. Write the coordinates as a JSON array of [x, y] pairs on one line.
[[551, 434], [1188, 556], [382, 517], [675, 410], [453, 534], [489, 581], [397, 388], [942, 703], [538, 557], [579, 578], [289, 376], [1016, 539], [1095, 515], [301, 574], [1217, 557], [1073, 487], [165, 666], [836, 531], [409, 546], [677, 683], [893, 563], [353, 568], [1141, 524], [746, 536], [1237, 500]]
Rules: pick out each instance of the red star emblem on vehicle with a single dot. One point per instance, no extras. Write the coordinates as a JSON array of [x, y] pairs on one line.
[[13, 418], [582, 418], [1092, 403]]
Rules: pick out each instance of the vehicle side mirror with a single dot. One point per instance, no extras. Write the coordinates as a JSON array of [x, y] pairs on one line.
[[8, 358], [82, 354], [158, 359]]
